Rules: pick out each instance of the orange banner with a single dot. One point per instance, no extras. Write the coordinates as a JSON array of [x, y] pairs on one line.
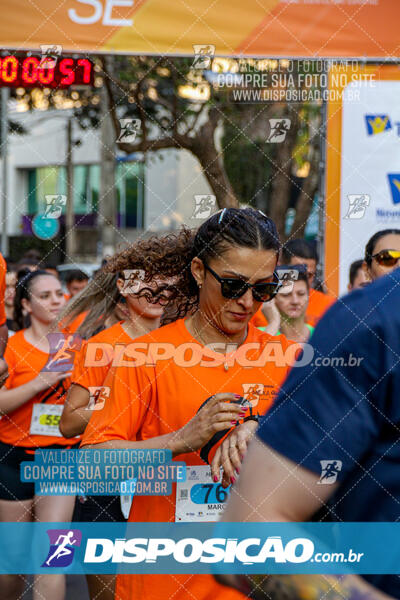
[[287, 28]]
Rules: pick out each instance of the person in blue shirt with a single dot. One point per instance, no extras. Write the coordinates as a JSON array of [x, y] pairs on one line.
[[336, 417]]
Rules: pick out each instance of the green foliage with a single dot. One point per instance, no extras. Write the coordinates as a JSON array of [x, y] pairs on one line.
[[248, 167]]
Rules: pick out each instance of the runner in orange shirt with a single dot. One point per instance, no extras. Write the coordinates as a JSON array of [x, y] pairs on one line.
[[180, 385], [87, 392], [3, 316], [31, 405], [299, 251]]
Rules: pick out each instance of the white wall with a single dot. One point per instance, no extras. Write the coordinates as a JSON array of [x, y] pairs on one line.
[[172, 177]]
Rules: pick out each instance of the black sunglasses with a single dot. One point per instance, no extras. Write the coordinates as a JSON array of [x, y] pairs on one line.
[[235, 288]]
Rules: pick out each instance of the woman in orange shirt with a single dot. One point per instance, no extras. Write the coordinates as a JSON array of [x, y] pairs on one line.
[[32, 392], [179, 386], [87, 392]]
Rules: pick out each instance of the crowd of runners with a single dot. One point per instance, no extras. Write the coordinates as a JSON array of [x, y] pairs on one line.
[[216, 296]]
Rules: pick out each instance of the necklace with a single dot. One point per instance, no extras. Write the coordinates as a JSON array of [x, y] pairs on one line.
[[200, 337]]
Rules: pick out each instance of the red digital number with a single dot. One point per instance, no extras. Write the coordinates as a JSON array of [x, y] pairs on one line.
[[9, 69], [46, 76], [66, 68], [87, 68], [30, 70]]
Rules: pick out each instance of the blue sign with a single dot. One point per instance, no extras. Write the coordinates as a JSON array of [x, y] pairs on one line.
[[45, 228], [285, 548], [394, 182]]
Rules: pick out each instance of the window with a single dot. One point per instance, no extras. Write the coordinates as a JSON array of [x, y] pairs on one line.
[[86, 189], [52, 180], [43, 181], [130, 191]]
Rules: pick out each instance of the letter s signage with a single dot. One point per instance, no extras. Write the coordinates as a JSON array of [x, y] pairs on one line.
[[98, 13]]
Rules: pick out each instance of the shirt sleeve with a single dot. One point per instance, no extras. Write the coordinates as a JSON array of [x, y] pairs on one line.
[[333, 407], [9, 357], [3, 269], [129, 393], [87, 376]]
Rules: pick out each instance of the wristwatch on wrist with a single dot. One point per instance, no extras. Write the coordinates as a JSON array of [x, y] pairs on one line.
[[255, 418]]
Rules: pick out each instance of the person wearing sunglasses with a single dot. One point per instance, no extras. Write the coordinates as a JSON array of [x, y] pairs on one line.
[[382, 253], [202, 401]]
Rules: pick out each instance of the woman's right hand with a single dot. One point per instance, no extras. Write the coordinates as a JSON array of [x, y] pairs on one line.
[[47, 379], [218, 414]]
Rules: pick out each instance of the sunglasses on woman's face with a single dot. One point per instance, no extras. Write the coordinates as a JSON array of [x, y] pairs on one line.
[[387, 258], [236, 288]]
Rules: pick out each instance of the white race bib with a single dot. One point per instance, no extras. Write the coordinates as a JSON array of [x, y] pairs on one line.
[[199, 499], [45, 419]]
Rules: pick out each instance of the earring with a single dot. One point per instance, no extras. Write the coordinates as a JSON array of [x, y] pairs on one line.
[[199, 284]]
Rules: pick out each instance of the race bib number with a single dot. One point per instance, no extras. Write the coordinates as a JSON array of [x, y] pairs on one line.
[[198, 499], [45, 419]]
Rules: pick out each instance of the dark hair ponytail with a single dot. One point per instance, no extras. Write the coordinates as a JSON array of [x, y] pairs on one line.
[[23, 290], [370, 247]]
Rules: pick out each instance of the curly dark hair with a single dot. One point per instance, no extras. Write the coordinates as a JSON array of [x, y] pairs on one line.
[[168, 257]]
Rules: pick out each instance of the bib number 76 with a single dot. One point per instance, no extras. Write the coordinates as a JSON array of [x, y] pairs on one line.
[[209, 493]]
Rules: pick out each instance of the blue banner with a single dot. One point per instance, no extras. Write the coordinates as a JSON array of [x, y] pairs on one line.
[[102, 472], [285, 548]]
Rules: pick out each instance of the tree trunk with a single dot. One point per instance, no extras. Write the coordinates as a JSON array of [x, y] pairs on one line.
[[107, 212], [282, 179], [310, 187], [211, 160]]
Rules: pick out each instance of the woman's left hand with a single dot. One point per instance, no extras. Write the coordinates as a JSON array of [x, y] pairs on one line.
[[229, 455]]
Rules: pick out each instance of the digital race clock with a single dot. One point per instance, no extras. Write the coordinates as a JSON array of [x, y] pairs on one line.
[[36, 71]]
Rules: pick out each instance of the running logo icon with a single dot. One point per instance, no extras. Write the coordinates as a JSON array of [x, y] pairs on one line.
[[287, 277], [129, 130], [62, 351], [329, 471], [62, 547], [54, 205], [98, 396], [377, 124], [132, 280], [357, 206], [204, 204], [252, 393], [203, 55], [50, 55], [394, 183], [278, 130]]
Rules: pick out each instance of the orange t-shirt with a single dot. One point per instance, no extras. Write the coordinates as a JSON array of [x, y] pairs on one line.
[[318, 304], [155, 399], [92, 363], [258, 319], [25, 362], [3, 270]]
